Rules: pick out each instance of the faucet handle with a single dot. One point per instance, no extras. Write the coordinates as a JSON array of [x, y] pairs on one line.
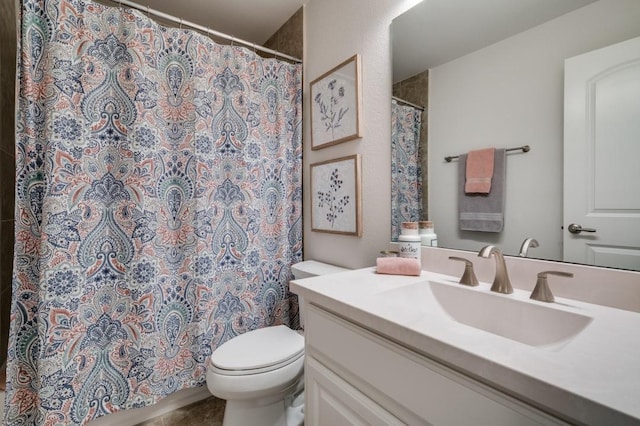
[[468, 277], [542, 292]]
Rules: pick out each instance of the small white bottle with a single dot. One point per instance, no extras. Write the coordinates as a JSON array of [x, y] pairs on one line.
[[427, 235], [409, 241]]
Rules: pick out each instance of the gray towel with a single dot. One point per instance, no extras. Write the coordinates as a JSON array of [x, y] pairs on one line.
[[483, 212]]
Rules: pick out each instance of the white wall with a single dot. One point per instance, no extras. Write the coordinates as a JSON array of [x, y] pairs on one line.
[[511, 94], [335, 30]]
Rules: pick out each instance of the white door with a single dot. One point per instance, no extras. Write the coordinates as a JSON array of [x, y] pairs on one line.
[[602, 157]]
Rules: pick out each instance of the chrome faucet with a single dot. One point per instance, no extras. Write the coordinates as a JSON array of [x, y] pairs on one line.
[[501, 282], [524, 248]]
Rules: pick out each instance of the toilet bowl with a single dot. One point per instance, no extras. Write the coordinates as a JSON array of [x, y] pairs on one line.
[[259, 373]]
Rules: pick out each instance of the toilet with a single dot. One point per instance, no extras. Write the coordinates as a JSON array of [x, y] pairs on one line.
[[260, 373]]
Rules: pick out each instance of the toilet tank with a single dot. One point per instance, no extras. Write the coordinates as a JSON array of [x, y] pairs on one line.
[[311, 268]]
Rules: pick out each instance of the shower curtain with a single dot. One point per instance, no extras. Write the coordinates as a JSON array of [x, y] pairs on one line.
[[158, 206], [406, 173]]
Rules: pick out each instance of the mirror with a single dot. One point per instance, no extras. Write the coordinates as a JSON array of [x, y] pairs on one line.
[[495, 72]]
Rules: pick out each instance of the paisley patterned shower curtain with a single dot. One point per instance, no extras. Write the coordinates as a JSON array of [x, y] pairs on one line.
[[158, 207], [406, 173]]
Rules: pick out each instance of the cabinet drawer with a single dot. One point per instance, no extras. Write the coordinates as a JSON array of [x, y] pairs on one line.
[[408, 384]]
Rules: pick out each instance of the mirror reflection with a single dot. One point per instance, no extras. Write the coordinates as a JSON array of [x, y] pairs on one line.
[[408, 154], [491, 73]]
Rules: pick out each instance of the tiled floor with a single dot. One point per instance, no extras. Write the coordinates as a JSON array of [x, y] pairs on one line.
[[206, 412]]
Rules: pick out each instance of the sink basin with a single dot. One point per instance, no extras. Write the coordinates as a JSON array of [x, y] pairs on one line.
[[512, 316]]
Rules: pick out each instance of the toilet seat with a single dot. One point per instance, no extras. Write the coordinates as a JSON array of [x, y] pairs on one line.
[[257, 351]]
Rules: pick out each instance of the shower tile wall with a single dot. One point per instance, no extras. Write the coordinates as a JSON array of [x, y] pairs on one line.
[[288, 39], [7, 163], [415, 90]]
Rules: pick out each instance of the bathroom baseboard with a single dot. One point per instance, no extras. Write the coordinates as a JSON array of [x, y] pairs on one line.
[[168, 404]]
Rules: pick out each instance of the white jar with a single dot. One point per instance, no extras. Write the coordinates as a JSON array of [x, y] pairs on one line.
[[409, 241], [427, 235]]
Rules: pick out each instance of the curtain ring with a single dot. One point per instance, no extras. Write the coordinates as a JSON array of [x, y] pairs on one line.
[[254, 48], [232, 40], [181, 24], [148, 10]]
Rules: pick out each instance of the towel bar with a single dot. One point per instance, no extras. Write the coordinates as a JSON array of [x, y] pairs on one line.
[[524, 148]]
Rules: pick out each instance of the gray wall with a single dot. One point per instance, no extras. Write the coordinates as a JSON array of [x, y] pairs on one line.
[[335, 30], [507, 95]]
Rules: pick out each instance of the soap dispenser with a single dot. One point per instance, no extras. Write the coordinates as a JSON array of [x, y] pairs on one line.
[[409, 241], [428, 236]]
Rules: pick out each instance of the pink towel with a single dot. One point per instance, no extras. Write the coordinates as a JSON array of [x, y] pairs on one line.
[[398, 266], [479, 171]]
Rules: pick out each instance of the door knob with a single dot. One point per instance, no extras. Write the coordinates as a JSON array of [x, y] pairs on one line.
[[576, 229]]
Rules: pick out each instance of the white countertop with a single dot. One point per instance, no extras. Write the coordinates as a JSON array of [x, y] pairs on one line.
[[594, 378]]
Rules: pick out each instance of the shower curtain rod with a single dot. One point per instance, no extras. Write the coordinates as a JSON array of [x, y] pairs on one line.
[[421, 108], [182, 22]]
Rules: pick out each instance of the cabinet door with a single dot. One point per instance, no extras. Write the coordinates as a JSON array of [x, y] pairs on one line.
[[332, 401], [415, 389]]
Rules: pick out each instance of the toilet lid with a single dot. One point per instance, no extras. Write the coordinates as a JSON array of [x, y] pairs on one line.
[[259, 349]]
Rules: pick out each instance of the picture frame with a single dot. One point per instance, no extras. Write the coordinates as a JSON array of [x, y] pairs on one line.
[[336, 196], [336, 105]]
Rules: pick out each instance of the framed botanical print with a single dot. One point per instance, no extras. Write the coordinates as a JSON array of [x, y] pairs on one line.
[[336, 105], [336, 196]]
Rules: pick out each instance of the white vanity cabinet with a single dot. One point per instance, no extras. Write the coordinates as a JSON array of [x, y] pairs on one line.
[[354, 376]]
